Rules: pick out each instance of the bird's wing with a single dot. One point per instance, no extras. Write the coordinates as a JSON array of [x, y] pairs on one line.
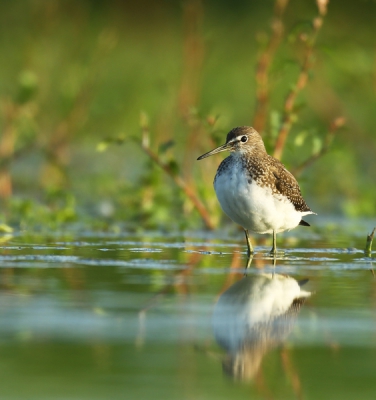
[[286, 184]]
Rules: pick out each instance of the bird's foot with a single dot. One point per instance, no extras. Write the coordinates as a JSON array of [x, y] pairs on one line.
[[249, 262], [274, 253]]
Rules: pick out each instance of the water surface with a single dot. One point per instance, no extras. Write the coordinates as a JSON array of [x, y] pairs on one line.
[[88, 315]]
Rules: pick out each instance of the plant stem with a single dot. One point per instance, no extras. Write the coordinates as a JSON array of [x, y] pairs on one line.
[[263, 66], [368, 249]]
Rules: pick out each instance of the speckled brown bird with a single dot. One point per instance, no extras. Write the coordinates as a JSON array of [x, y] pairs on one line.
[[256, 190]]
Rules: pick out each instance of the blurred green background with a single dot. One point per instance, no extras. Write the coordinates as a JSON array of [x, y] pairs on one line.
[[82, 81]]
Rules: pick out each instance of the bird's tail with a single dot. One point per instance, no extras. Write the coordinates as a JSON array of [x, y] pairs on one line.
[[304, 223]]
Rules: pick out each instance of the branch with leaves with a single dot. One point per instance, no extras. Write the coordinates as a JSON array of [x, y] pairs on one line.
[[289, 115], [171, 170], [336, 124]]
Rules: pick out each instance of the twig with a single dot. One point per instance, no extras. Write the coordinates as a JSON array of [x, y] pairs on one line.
[[263, 66], [334, 126], [179, 181], [190, 86], [301, 82]]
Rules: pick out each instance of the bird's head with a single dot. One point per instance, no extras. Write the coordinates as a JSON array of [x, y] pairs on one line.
[[243, 139]]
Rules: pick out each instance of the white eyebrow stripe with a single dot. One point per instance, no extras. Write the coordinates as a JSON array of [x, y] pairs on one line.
[[236, 139]]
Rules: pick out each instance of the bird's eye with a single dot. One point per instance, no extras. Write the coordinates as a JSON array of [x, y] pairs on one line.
[[244, 139]]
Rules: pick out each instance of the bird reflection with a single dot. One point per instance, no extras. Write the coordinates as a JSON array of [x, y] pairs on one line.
[[252, 317]]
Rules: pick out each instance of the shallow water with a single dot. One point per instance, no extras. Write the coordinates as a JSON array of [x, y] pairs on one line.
[[96, 315]]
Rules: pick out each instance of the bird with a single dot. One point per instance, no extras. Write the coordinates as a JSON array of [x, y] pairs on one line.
[[253, 316], [255, 189]]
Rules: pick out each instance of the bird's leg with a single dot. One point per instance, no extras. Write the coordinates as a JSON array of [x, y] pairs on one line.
[[249, 244], [273, 251], [274, 264], [249, 262]]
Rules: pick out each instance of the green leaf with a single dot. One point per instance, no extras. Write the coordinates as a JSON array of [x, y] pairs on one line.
[[275, 123], [102, 146], [174, 167], [28, 86], [300, 138], [163, 147], [316, 144]]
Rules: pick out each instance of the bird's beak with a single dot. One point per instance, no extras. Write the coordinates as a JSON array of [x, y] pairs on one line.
[[224, 147]]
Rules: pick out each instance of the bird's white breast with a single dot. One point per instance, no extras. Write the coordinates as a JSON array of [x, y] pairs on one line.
[[253, 207]]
